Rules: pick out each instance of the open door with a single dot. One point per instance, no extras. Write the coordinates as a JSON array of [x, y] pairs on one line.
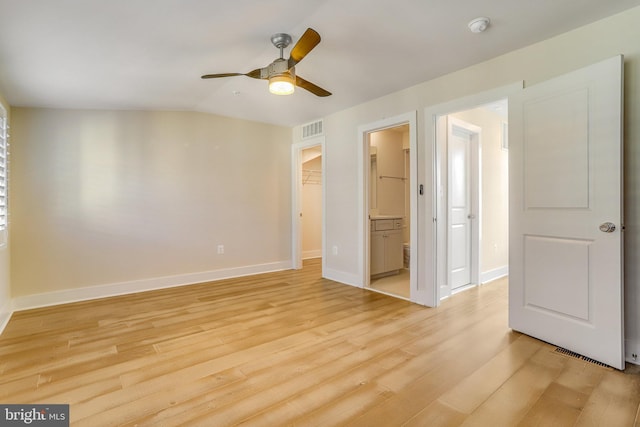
[[565, 282]]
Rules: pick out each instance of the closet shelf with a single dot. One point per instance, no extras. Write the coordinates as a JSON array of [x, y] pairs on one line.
[[310, 176]]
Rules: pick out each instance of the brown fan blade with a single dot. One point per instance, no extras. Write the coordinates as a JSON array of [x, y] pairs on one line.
[[255, 74], [316, 90], [307, 42], [215, 76]]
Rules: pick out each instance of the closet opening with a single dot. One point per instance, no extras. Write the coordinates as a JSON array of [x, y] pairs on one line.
[[308, 202]]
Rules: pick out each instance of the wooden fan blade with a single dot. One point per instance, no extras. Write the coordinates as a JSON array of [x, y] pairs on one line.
[[316, 90], [215, 76], [258, 73], [255, 74], [307, 42]]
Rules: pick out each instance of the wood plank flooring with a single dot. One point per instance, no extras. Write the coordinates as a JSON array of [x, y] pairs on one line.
[[291, 348]]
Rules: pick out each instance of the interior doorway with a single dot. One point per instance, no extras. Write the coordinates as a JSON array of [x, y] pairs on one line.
[[308, 201], [389, 205], [473, 173], [389, 211]]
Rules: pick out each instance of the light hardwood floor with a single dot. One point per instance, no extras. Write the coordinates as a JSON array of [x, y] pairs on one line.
[[291, 348]]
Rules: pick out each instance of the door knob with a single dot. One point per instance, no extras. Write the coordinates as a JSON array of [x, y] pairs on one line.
[[607, 227]]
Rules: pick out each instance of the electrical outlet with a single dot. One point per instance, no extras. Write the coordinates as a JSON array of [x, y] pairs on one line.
[[334, 250], [220, 249]]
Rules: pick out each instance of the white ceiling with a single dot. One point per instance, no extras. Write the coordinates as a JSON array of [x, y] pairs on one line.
[[150, 54]]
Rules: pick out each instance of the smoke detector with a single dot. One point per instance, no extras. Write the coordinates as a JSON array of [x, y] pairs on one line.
[[478, 25]]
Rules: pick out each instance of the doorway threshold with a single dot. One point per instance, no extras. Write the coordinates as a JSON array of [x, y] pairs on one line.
[[387, 293]]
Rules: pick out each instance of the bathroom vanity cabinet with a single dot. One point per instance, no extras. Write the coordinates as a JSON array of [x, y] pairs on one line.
[[386, 246]]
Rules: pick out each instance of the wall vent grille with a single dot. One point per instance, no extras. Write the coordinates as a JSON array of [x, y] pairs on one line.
[[313, 129]]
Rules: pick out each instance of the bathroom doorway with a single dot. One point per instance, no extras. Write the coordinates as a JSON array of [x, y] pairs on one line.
[[375, 220], [390, 211]]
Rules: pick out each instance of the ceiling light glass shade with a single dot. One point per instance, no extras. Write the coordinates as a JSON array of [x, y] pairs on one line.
[[282, 84]]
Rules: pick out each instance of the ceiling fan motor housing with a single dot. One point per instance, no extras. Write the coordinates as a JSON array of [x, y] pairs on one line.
[[279, 66]]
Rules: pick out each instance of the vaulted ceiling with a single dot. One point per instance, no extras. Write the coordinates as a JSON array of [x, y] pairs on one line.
[[150, 54]]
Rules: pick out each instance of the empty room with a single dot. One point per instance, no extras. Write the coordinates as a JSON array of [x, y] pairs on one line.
[[319, 213]]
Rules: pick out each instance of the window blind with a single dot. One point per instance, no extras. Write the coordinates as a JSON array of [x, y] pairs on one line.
[[4, 148]]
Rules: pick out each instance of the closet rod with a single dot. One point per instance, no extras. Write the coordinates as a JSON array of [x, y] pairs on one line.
[[392, 177]]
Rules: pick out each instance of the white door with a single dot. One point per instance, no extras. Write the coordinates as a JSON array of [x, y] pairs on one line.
[[459, 155], [565, 284], [463, 201]]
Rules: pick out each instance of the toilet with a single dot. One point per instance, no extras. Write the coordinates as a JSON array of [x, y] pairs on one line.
[[407, 254]]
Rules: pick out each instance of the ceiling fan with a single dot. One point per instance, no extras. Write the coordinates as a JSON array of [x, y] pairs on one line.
[[281, 73]]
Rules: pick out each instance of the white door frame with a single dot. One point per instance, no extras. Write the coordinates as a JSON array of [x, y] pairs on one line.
[[364, 166], [475, 167], [296, 200], [438, 263]]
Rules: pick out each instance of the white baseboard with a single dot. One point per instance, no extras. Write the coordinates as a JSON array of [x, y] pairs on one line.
[[342, 277], [496, 273], [5, 314], [631, 347], [312, 254], [102, 291]]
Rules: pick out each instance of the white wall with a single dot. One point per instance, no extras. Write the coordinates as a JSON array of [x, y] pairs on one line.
[[134, 200], [5, 290], [592, 43], [494, 241]]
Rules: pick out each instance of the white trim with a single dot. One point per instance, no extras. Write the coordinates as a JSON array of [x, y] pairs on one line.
[[317, 253], [632, 346], [103, 291], [496, 273], [6, 312]]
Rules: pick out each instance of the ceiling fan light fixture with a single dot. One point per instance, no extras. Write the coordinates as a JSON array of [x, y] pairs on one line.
[[282, 84], [281, 72]]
